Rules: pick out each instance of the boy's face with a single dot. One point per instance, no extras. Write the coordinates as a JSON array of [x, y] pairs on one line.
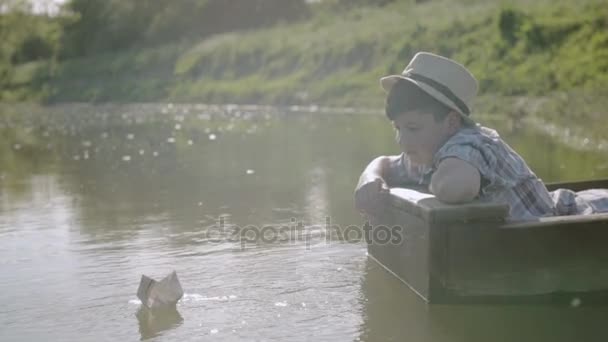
[[419, 135]]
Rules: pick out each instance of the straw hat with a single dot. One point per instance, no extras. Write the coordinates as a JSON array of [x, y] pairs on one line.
[[444, 79]]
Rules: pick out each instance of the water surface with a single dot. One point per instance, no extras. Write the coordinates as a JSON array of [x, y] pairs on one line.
[[94, 196]]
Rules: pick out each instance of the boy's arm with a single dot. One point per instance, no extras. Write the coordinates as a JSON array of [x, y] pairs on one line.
[[383, 168], [373, 183], [455, 181]]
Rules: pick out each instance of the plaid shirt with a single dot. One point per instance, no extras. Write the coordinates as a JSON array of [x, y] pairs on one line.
[[505, 176], [591, 201]]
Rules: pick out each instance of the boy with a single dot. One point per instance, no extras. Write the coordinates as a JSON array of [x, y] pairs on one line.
[[444, 149]]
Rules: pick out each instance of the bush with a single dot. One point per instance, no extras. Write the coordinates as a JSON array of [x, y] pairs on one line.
[[33, 48], [103, 25]]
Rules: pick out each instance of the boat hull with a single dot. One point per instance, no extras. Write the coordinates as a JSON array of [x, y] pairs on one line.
[[468, 253]]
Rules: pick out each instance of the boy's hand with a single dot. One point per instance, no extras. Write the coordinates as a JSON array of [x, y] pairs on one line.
[[370, 195]]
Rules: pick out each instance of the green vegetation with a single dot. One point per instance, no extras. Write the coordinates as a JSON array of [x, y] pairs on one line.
[[333, 53]]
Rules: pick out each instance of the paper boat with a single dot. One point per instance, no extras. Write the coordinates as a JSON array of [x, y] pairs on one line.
[[157, 294]]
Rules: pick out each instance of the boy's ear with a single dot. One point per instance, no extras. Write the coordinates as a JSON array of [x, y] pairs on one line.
[[454, 121]]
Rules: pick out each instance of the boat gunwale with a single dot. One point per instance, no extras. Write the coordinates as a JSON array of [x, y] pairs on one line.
[[420, 203]]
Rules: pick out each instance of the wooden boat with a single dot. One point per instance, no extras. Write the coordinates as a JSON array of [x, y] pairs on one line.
[[469, 254]]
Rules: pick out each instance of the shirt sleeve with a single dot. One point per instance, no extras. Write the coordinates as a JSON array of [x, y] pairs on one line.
[[473, 155]]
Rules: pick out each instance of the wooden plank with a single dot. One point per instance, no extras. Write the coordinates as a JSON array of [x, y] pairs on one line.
[[557, 221], [408, 258], [430, 209], [523, 262], [579, 185]]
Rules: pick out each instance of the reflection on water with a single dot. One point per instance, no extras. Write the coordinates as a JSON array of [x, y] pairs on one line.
[[93, 197], [406, 317], [153, 322]]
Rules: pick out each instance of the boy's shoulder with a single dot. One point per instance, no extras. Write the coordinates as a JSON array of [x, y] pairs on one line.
[[484, 148], [474, 143], [471, 144], [474, 135]]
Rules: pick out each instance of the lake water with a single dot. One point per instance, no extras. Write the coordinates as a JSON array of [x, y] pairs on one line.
[[92, 197]]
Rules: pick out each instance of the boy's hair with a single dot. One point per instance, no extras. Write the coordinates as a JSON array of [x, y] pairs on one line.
[[404, 96]]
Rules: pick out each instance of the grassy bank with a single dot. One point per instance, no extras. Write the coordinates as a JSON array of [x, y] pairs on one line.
[[336, 58]]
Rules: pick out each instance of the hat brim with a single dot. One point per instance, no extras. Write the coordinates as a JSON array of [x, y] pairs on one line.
[[389, 81]]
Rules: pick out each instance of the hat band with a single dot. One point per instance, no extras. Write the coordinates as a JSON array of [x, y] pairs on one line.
[[442, 89]]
